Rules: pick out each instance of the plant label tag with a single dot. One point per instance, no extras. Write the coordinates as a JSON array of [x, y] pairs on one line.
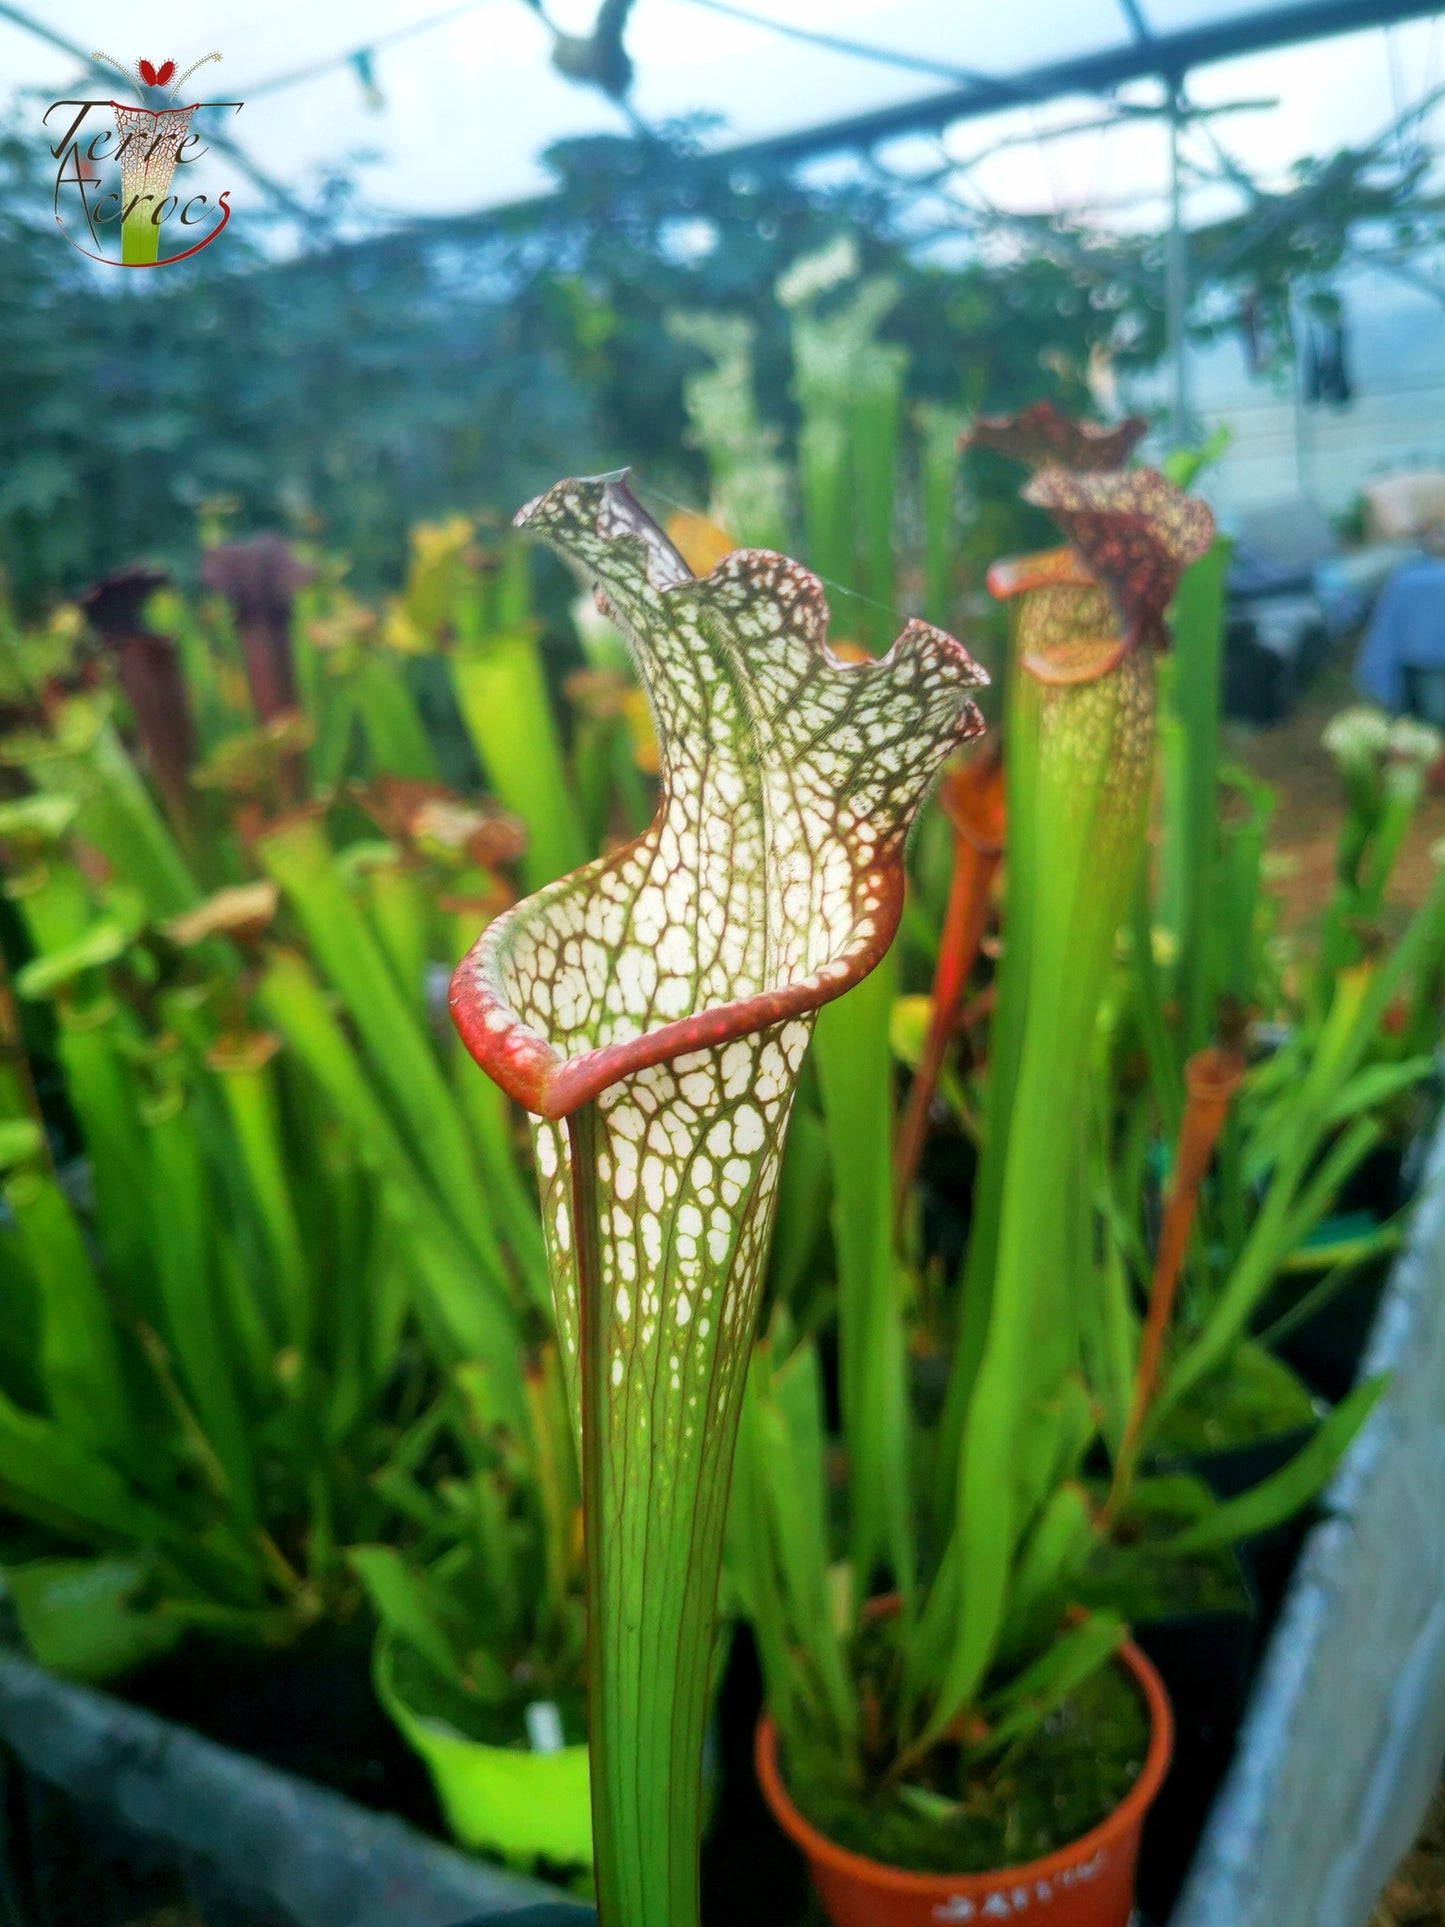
[[544, 1727]]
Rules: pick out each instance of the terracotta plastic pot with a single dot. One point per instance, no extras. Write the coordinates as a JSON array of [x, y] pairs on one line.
[[1088, 1884]]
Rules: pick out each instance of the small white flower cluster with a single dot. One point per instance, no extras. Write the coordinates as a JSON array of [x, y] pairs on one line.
[[1357, 737], [1364, 737]]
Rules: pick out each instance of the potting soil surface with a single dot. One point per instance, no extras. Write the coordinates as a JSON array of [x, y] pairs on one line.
[[1045, 1792]]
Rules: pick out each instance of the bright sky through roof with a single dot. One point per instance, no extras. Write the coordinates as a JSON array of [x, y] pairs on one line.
[[468, 106]]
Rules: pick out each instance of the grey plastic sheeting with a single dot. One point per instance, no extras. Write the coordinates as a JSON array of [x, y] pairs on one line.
[[282, 1845], [1341, 1750]]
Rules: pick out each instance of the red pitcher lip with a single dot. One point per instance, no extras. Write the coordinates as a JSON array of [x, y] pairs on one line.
[[936, 1886], [534, 1075]]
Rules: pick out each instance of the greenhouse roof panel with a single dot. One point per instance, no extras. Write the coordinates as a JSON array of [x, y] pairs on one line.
[[439, 111]]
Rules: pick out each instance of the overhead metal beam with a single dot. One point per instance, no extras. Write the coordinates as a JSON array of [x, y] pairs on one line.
[[1176, 285], [1163, 56]]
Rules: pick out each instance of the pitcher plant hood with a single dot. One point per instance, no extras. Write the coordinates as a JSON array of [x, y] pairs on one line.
[[1086, 607], [1042, 436], [772, 877]]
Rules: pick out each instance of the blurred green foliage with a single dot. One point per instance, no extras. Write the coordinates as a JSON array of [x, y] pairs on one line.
[[269, 1248]]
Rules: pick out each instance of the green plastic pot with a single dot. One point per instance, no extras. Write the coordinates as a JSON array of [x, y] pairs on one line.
[[522, 1806]]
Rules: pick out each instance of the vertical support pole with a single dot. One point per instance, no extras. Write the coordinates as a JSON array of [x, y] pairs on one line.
[[1176, 277], [1298, 324]]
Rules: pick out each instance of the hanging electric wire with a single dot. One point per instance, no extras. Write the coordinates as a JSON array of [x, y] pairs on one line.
[[366, 52], [596, 59], [861, 50]]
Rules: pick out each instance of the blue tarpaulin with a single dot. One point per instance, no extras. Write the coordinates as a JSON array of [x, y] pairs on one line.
[[1407, 631]]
